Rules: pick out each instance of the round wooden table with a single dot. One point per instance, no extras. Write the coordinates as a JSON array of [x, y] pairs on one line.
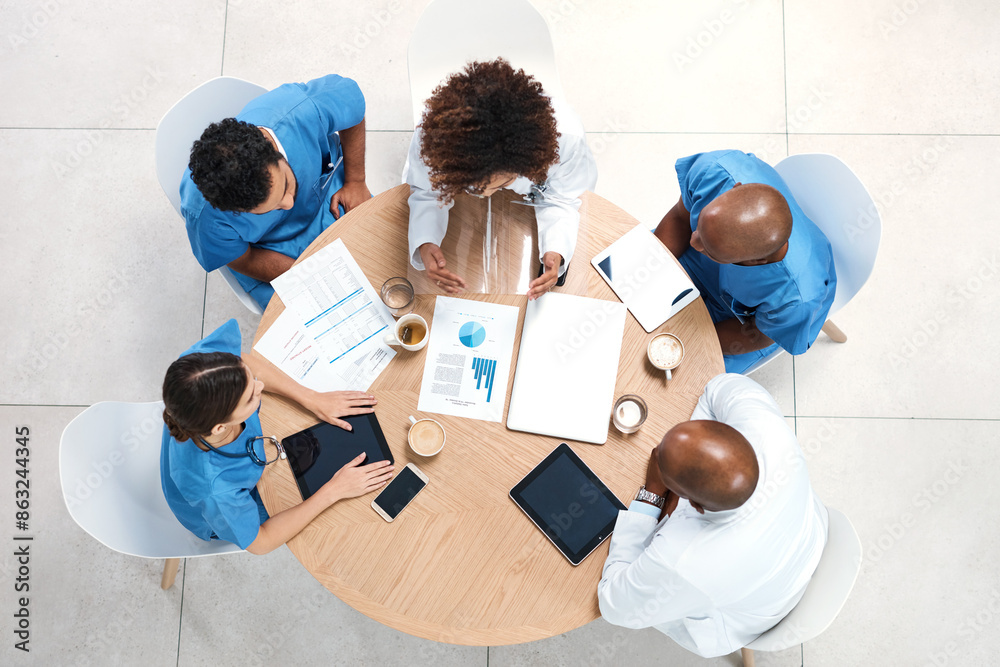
[[462, 564]]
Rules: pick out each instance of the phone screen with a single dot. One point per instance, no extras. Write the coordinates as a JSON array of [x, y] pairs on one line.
[[399, 492]]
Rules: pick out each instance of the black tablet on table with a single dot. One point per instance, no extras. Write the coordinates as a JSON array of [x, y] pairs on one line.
[[319, 451], [569, 503]]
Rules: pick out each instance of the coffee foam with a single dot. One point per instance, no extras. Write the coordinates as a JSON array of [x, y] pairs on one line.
[[426, 437], [665, 352]]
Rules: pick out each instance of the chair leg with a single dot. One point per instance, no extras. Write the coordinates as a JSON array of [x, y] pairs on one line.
[[834, 332], [747, 657], [169, 572]]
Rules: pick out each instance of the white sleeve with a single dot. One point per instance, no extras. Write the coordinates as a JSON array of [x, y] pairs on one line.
[[428, 216], [640, 588], [558, 211], [730, 396]]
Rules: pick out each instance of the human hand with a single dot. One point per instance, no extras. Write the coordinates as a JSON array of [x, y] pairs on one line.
[[355, 480], [434, 262], [545, 282], [354, 193], [331, 405], [654, 482]]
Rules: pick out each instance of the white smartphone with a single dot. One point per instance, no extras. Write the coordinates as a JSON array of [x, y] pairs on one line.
[[398, 493]]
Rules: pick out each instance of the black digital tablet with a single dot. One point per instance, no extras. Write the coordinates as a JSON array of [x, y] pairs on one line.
[[318, 452], [569, 503]]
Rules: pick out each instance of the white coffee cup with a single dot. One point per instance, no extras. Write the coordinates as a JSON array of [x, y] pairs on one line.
[[426, 437], [408, 328], [665, 351]]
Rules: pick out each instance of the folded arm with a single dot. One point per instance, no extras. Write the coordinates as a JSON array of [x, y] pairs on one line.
[[737, 337], [674, 229], [260, 263]]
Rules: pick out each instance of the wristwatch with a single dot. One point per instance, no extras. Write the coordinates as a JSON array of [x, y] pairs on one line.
[[648, 497]]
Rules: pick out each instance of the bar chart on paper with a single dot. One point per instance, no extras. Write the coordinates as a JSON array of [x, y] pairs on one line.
[[468, 359], [484, 371]]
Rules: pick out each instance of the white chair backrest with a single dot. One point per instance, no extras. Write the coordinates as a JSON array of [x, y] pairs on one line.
[[218, 98], [827, 592], [451, 33], [833, 197], [109, 466]]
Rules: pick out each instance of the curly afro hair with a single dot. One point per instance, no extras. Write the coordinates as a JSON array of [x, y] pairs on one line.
[[487, 120], [229, 164]]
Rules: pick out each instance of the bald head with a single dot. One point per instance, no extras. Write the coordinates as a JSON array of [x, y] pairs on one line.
[[709, 463], [748, 222]]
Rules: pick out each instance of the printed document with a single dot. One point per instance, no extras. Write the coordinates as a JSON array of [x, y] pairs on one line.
[[336, 318], [468, 359]]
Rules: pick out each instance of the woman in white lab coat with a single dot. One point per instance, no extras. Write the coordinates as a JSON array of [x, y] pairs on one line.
[[491, 127]]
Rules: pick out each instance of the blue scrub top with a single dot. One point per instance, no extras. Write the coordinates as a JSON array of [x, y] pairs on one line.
[[791, 298], [210, 494], [305, 118]]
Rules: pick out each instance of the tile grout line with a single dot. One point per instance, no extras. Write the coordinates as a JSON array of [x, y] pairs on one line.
[[225, 26], [204, 306], [784, 73], [180, 616]]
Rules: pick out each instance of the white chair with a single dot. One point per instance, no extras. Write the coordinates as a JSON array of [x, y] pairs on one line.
[[451, 33], [218, 98], [109, 467], [825, 595], [833, 197]]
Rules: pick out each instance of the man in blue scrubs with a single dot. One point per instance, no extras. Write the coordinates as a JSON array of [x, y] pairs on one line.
[[763, 268], [260, 187]]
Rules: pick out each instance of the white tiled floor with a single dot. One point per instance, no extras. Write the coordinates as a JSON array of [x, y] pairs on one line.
[[101, 292]]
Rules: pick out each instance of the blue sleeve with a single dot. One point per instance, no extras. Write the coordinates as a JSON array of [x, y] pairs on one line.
[[338, 100], [233, 517], [701, 180], [644, 508], [214, 234], [794, 326]]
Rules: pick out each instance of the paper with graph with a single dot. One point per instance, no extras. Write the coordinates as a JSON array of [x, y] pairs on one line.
[[339, 320], [468, 359]]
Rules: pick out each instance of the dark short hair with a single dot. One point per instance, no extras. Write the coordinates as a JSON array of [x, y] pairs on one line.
[[486, 120], [201, 390], [230, 163]]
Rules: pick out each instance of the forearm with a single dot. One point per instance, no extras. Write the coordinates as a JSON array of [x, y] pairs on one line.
[[352, 142], [262, 264], [285, 525], [738, 338], [674, 230]]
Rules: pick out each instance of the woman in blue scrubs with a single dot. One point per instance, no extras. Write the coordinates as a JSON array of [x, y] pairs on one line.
[[213, 454]]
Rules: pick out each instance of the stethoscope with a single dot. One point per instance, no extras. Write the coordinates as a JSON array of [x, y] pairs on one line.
[[251, 452]]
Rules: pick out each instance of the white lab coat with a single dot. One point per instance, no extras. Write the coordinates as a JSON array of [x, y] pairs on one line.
[[557, 212], [714, 582]]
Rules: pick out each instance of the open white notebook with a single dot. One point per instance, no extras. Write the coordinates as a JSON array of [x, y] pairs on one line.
[[567, 367], [645, 277]]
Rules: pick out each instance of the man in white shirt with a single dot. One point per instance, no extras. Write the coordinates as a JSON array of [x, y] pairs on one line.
[[491, 127], [722, 540]]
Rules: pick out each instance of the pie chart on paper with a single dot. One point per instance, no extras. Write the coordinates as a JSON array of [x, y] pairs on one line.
[[472, 334]]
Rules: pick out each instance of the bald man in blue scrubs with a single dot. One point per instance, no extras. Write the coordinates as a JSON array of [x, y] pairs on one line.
[[260, 187], [763, 268]]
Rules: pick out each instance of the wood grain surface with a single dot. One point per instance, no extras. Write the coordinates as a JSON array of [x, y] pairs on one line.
[[462, 564]]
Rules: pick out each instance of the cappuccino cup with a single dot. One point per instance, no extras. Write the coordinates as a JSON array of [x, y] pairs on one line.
[[426, 436], [665, 351], [410, 333]]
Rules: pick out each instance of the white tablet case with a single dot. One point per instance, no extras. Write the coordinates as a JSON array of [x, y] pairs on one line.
[[567, 367], [644, 275]]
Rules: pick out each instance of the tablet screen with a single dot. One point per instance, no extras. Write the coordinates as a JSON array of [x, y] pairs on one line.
[[569, 503], [319, 451]]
